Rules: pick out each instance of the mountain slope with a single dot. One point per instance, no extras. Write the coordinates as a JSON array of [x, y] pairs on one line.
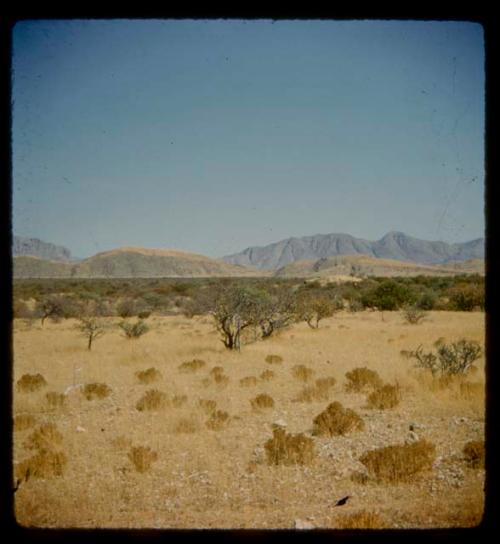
[[34, 247], [394, 245]]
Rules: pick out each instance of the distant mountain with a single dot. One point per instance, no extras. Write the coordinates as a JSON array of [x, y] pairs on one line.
[[130, 262], [22, 246], [394, 245]]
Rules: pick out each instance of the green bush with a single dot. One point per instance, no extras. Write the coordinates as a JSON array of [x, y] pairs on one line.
[[134, 330], [388, 295]]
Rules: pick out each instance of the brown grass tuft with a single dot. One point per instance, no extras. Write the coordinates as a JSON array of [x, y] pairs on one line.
[[45, 464], [208, 406], [362, 378], [93, 391], [31, 382], [55, 400], [221, 380], [152, 400], [218, 420], [142, 458], [179, 400], [248, 381], [385, 397], [186, 425], [191, 366], [302, 373], [262, 401], [360, 520], [217, 371], [325, 383], [274, 359], [148, 376], [471, 391], [474, 453], [289, 449], [399, 463], [44, 438], [336, 420], [267, 375], [23, 422]]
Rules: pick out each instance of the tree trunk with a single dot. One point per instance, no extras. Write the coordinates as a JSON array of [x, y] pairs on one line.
[[90, 342]]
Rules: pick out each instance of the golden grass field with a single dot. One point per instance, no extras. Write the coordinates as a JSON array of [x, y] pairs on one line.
[[201, 477]]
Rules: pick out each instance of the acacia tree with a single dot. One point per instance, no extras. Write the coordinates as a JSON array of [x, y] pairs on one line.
[[312, 308], [56, 307], [276, 311], [92, 328]]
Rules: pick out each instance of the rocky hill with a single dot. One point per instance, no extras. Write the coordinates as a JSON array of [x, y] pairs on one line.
[[394, 245], [34, 247]]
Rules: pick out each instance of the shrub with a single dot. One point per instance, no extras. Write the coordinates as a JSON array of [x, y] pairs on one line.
[[217, 370], [274, 359], [302, 373], [413, 314], [399, 463], [179, 400], [23, 422], [93, 391], [248, 381], [267, 375], [152, 400], [289, 449], [134, 330], [262, 401], [45, 464], [312, 393], [191, 366], [474, 453], [360, 520], [221, 380], [208, 406], [387, 396], [31, 382], [466, 298], [92, 328], [186, 426], [126, 308], [388, 295], [55, 400], [144, 314], [142, 458], [336, 420], [325, 383], [218, 420], [148, 376], [362, 378], [44, 438]]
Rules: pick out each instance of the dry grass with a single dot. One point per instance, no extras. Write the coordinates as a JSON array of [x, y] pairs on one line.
[[121, 442], [142, 458], [471, 390], [337, 420], [186, 425], [192, 366], [302, 373], [474, 453], [44, 464], [217, 371], [148, 376], [207, 405], [55, 400], [218, 420], [31, 382], [267, 375], [385, 397], [274, 359], [363, 519], [399, 463], [92, 391], [262, 401], [46, 437], [318, 392], [22, 422], [152, 400], [248, 381], [362, 378], [179, 400], [289, 449]]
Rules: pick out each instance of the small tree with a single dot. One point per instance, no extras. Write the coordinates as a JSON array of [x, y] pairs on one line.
[[413, 314], [134, 330], [276, 311], [56, 307], [312, 308], [92, 328]]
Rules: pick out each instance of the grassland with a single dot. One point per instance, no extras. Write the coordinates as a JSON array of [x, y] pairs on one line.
[[166, 468]]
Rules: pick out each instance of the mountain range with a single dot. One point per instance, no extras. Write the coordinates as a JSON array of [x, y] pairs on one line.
[[37, 248]]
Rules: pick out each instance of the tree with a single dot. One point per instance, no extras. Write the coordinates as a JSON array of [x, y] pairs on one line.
[[313, 307], [275, 311], [92, 328], [56, 307]]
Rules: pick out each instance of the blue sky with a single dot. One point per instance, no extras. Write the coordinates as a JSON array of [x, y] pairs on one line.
[[213, 135]]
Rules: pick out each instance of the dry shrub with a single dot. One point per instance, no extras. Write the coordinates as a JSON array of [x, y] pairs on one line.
[[93, 391], [185, 426], [55, 400], [191, 366], [302, 373], [387, 396], [312, 393], [362, 378], [152, 400], [218, 420], [474, 453], [45, 464], [274, 359], [179, 400], [360, 520], [121, 442], [399, 463], [142, 458], [148, 376], [23, 422], [208, 406], [31, 382], [217, 371], [267, 375], [336, 420], [44, 438], [289, 449], [262, 401], [221, 380], [248, 381], [325, 383]]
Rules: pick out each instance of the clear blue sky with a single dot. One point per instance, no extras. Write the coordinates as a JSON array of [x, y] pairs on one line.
[[211, 136]]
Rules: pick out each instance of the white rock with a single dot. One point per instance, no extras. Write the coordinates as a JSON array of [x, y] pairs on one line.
[[81, 429], [279, 423]]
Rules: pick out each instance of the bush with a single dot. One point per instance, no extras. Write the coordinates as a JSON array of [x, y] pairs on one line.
[[388, 295], [387, 396], [152, 400], [362, 378], [46, 437], [148, 376], [208, 406], [262, 401], [466, 298], [289, 449], [274, 359], [218, 420], [185, 426], [93, 391], [336, 420], [413, 314], [179, 400], [126, 308], [399, 463], [30, 382], [55, 400], [267, 375], [302, 373], [45, 464], [23, 422], [142, 458], [474, 453], [134, 330], [248, 381], [191, 366]]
